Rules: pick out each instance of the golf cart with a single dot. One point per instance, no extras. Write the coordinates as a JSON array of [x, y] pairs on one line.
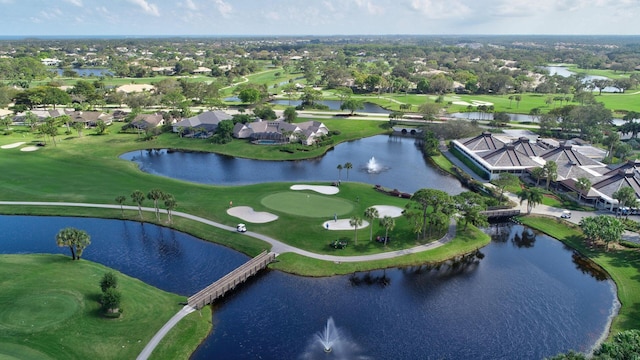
[[241, 228]]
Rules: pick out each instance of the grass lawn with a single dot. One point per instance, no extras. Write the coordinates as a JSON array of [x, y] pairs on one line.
[[49, 310], [466, 241], [307, 204], [87, 169], [622, 265]]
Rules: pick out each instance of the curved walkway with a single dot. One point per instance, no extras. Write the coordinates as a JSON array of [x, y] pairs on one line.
[[276, 245]]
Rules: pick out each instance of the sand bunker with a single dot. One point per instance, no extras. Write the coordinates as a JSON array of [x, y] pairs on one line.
[[386, 210], [11, 146], [247, 214], [131, 88], [342, 224], [29, 148], [322, 189]]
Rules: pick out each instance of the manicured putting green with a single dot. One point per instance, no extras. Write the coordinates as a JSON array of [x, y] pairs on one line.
[[42, 309], [301, 203]]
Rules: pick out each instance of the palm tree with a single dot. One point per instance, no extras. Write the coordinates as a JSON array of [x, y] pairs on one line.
[[355, 221], [533, 197], [551, 171], [120, 200], [538, 173], [388, 223], [339, 171], [583, 185], [170, 204], [348, 166], [155, 195], [371, 213], [138, 198], [76, 240]]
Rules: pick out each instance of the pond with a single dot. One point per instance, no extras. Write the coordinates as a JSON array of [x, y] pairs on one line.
[[368, 107], [87, 72], [399, 164], [564, 72], [529, 297]]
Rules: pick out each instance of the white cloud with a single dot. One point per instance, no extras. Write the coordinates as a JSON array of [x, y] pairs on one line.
[[50, 14], [371, 8], [224, 8], [6, 2], [441, 9], [520, 7], [77, 3], [151, 9], [189, 4], [273, 15]]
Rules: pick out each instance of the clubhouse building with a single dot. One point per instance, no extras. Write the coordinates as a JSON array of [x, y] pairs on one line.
[[492, 155]]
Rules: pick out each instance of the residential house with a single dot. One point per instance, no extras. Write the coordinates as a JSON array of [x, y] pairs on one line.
[[204, 124], [281, 131], [147, 121]]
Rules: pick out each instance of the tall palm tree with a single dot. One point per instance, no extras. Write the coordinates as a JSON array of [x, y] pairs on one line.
[[355, 221], [155, 195], [170, 204], [348, 166], [583, 185], [551, 171], [339, 171], [371, 213], [388, 223], [533, 197], [120, 200], [138, 198]]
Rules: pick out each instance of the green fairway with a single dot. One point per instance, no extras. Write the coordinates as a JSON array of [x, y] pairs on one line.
[[49, 310], [307, 205]]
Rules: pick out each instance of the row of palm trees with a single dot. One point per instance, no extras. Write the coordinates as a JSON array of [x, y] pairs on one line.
[[348, 166], [371, 213], [156, 195]]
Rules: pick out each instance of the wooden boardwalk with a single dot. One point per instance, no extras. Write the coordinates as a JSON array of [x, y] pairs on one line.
[[228, 282], [500, 213]]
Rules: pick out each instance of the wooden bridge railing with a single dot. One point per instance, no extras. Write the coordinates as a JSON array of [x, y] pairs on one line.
[[228, 282]]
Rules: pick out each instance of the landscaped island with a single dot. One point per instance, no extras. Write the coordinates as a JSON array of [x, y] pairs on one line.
[[49, 309]]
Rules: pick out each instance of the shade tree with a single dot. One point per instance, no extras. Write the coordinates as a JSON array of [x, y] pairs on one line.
[[76, 240]]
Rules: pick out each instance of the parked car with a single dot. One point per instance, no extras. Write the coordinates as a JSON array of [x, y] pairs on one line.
[[566, 214], [241, 228]]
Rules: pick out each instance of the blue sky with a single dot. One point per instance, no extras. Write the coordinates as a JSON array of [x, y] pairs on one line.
[[317, 17]]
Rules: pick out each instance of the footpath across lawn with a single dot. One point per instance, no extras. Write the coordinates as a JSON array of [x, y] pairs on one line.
[[49, 310]]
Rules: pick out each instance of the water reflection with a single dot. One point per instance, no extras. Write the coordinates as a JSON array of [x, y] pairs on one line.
[[525, 302]]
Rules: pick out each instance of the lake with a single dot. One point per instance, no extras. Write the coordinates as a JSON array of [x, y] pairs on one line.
[[401, 165], [564, 72], [529, 297], [87, 72]]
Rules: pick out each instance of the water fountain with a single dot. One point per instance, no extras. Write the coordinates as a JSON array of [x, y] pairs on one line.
[[373, 167], [329, 336]]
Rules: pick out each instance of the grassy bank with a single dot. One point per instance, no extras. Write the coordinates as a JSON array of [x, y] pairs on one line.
[[466, 241], [622, 265], [50, 311]]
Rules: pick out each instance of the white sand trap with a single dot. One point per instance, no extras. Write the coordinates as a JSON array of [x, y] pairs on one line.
[[11, 146], [387, 210], [464, 103], [131, 88], [247, 214], [322, 189], [342, 224], [29, 148]]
